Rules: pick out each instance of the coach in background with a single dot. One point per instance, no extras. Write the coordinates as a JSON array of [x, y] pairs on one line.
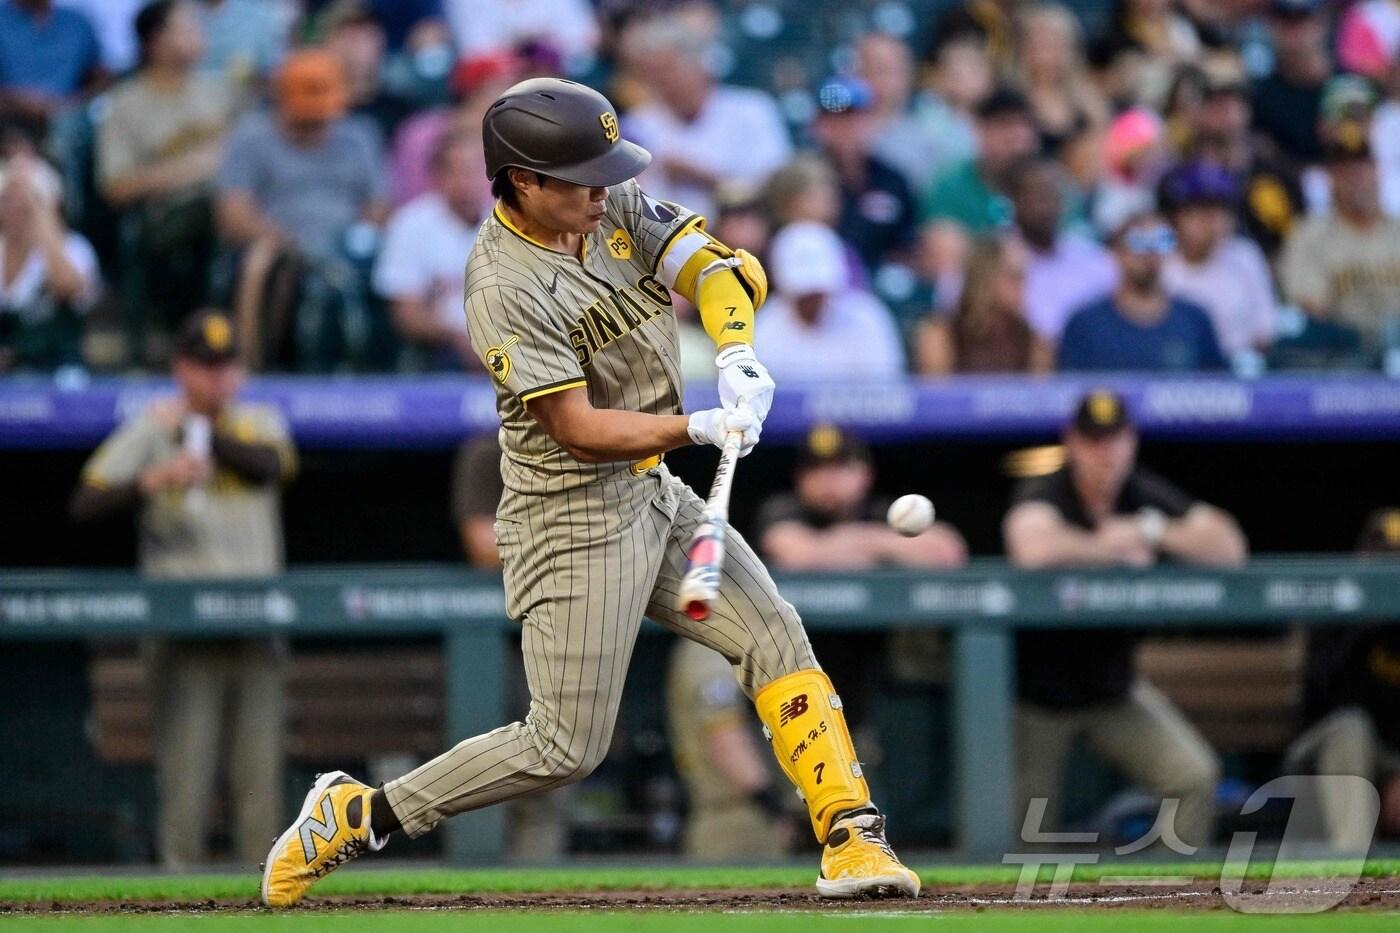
[[738, 809], [203, 471], [830, 521], [1350, 697], [1101, 509]]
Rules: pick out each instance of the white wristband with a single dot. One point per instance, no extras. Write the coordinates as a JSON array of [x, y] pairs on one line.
[[1153, 525], [739, 353]]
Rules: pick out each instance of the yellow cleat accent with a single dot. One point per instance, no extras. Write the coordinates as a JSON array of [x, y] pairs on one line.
[[331, 829], [858, 862]]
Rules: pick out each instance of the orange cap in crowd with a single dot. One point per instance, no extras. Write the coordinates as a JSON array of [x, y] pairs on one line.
[[311, 86]]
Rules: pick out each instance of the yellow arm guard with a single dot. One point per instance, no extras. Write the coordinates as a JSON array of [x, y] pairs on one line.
[[727, 286]]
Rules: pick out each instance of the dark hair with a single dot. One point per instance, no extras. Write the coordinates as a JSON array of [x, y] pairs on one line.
[[150, 22], [1004, 101], [503, 191]]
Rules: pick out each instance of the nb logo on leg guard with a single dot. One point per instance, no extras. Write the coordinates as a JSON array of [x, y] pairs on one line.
[[814, 752], [323, 829], [792, 709]]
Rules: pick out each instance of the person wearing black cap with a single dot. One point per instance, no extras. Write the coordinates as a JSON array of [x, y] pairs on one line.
[[568, 302], [830, 520], [878, 212], [1344, 267], [1351, 693], [1102, 509], [974, 194], [1288, 102], [203, 471]]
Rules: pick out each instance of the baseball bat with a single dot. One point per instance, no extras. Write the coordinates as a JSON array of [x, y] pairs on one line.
[[705, 553]]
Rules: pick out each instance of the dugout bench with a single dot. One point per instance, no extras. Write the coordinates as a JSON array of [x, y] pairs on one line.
[[981, 607]]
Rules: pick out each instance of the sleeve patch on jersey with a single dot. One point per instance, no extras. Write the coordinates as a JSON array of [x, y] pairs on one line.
[[498, 359], [620, 244], [658, 211]]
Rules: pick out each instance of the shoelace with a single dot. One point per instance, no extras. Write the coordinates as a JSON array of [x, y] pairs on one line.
[[872, 830], [348, 850]]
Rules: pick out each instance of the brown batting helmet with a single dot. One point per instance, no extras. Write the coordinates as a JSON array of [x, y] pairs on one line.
[[562, 129]]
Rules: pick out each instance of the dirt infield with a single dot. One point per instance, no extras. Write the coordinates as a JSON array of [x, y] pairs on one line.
[[1368, 894]]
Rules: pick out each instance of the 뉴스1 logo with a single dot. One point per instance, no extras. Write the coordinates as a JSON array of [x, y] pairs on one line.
[[609, 122], [498, 359], [792, 709]]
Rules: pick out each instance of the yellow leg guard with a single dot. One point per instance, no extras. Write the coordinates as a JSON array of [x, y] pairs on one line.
[[802, 718]]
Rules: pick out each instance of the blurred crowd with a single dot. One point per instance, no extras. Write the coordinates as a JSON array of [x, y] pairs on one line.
[[988, 186]]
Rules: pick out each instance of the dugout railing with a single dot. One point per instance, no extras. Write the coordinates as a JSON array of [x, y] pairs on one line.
[[980, 607]]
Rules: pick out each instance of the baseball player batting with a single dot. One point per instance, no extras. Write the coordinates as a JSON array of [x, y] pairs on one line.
[[567, 302]]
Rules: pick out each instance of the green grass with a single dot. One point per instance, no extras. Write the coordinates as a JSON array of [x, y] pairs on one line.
[[517, 881], [1112, 921]]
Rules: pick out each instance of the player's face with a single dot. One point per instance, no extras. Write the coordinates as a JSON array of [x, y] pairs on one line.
[[1101, 463], [208, 388], [564, 207], [835, 488]]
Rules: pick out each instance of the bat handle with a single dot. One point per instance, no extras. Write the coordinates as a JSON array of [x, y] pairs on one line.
[[734, 440]]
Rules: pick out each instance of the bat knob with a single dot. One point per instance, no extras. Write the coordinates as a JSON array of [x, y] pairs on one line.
[[697, 610]]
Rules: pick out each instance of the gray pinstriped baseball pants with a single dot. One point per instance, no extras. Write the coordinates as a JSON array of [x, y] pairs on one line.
[[582, 568]]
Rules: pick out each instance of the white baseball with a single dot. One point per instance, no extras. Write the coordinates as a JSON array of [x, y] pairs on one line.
[[910, 515]]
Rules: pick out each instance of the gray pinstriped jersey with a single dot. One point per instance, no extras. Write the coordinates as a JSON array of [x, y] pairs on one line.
[[543, 321], [589, 549]]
